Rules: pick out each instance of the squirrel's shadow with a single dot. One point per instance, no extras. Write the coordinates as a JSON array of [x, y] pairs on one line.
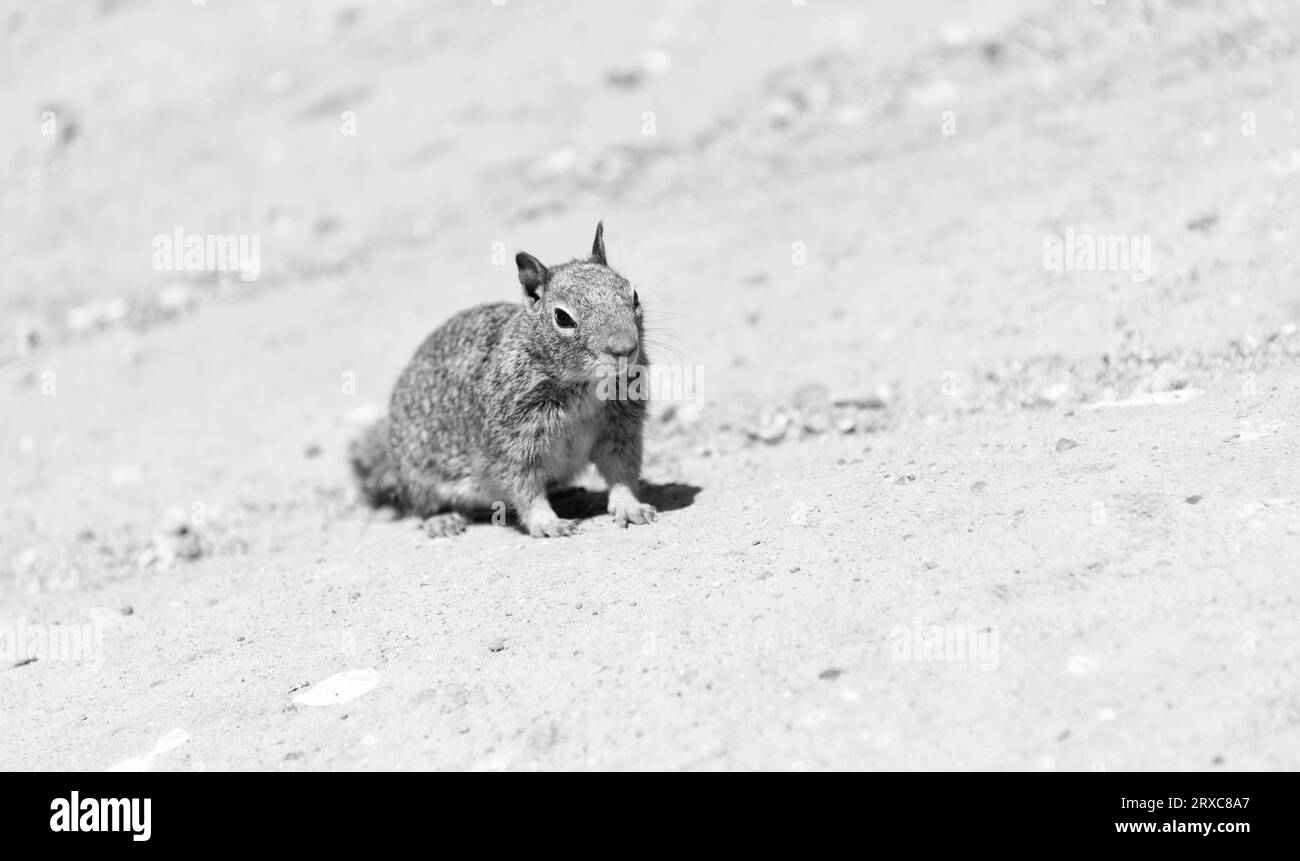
[[579, 503]]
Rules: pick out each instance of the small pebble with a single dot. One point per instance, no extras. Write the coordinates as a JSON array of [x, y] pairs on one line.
[[1082, 665], [1054, 393]]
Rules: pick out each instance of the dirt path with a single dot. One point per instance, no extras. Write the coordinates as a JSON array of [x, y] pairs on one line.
[[1052, 524]]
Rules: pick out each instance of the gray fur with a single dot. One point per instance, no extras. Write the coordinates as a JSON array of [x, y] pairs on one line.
[[500, 404]]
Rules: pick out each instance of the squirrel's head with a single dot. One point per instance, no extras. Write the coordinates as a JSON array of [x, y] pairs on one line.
[[583, 314]]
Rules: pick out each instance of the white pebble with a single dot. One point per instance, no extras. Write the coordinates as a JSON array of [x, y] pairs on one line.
[[168, 742], [339, 688], [1081, 665]]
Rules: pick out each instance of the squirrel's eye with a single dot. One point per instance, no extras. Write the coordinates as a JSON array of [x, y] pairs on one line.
[[563, 320]]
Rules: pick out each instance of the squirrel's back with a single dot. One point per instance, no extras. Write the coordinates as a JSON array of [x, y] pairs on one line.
[[435, 404]]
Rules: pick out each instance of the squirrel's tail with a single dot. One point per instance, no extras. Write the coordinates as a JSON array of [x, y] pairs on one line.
[[371, 458]]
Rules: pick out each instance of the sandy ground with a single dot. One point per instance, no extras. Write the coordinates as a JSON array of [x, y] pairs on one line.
[[935, 505]]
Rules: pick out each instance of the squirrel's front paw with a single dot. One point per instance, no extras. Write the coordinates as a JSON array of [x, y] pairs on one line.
[[543, 526], [633, 512]]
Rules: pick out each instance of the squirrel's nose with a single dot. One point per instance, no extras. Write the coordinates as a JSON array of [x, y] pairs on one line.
[[621, 345]]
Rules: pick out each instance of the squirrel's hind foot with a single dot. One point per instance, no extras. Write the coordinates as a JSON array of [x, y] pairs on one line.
[[445, 525]]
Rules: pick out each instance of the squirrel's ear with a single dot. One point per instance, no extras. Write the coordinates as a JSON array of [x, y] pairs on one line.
[[532, 274], [598, 247]]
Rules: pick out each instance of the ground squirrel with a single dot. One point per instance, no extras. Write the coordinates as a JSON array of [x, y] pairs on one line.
[[506, 401]]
